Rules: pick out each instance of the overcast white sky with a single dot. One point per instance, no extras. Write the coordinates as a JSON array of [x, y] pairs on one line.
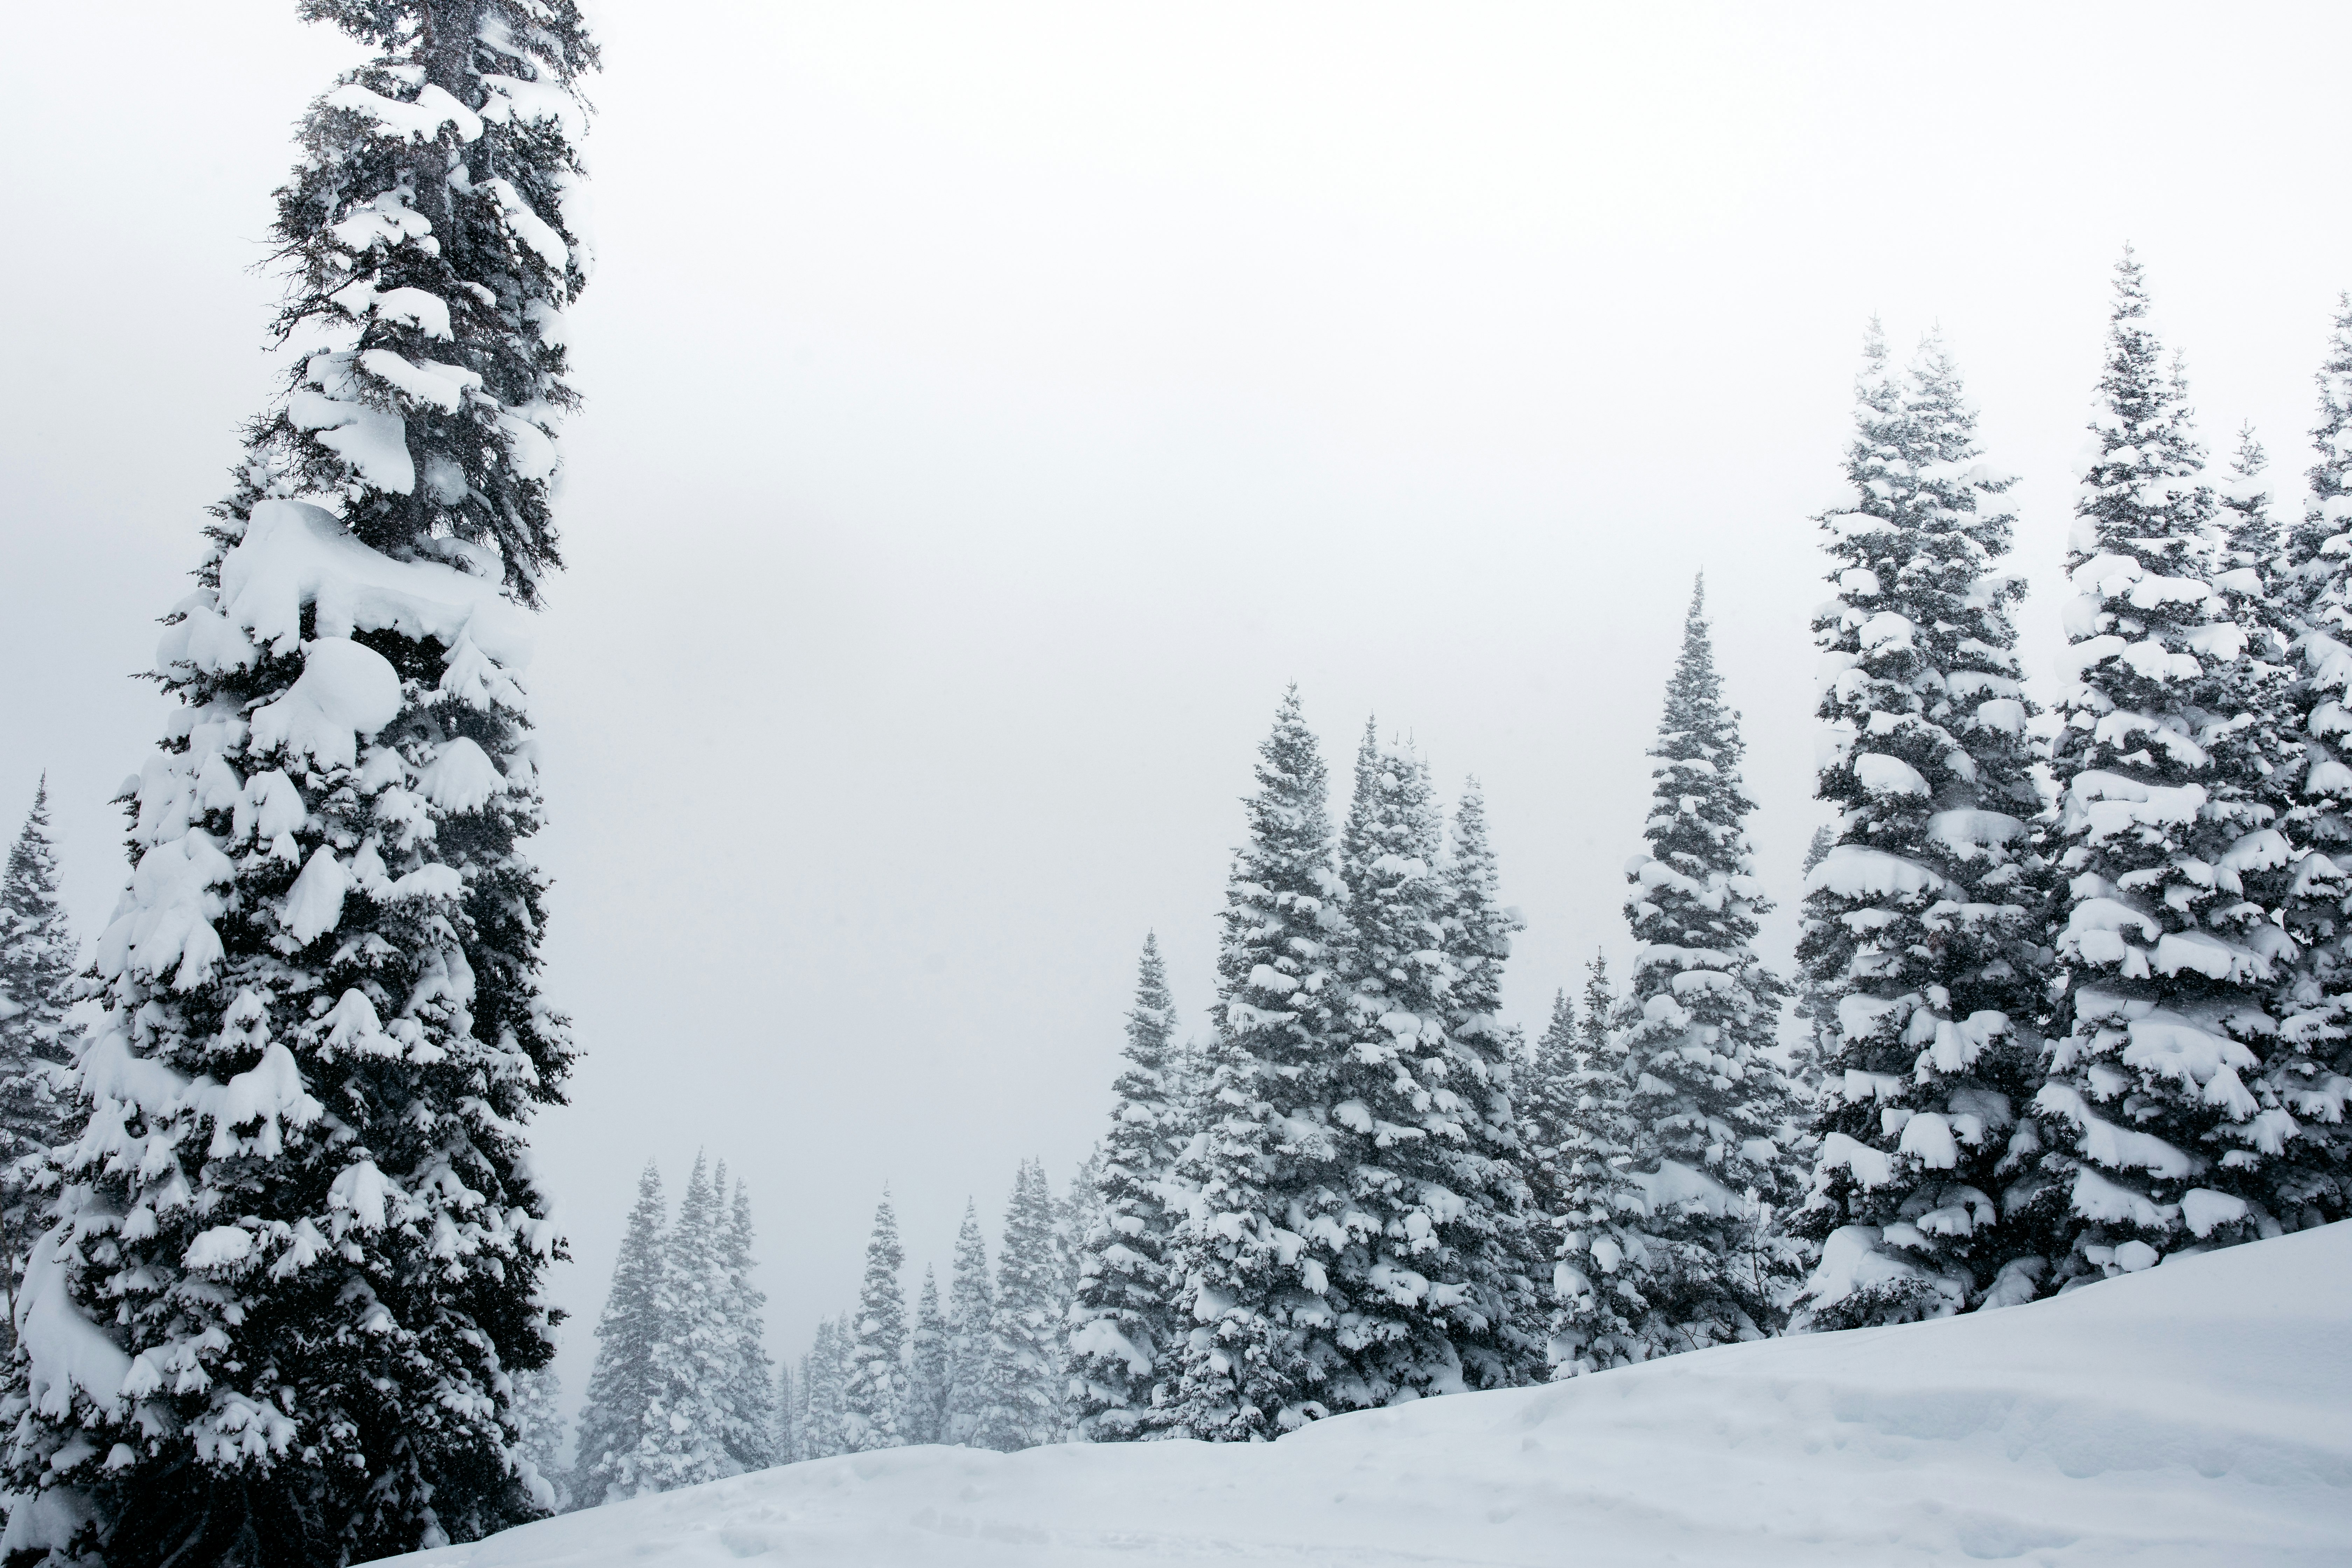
[[991, 407]]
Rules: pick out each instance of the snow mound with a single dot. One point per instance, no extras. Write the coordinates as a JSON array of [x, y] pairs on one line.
[[2193, 1413]]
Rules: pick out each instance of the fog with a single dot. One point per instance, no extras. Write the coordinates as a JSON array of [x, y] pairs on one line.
[[990, 409]]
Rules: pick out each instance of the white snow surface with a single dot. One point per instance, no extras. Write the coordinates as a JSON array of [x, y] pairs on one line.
[[2189, 1414]]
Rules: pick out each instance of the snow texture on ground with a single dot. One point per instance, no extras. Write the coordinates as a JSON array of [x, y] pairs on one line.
[[2197, 1413]]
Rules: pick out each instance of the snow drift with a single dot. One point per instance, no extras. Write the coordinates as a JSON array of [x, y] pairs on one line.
[[2197, 1413]]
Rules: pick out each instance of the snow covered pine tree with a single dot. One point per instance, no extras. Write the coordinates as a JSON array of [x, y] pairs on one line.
[[1815, 1007], [2310, 1072], [929, 1349], [37, 965], [1419, 1278], [1075, 1213], [2154, 1138], [1546, 1105], [299, 1255], [1024, 1376], [785, 1423], [971, 1315], [1127, 1320], [2307, 1068], [694, 1367], [1600, 1008], [538, 1431], [616, 1421], [1595, 1208], [1489, 1158], [750, 1436], [1707, 1103], [1923, 927], [824, 1379], [1261, 1341], [874, 1399]]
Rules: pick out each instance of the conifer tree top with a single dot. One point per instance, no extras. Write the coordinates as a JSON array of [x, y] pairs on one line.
[[439, 30], [1695, 827], [2142, 495], [37, 957], [2327, 509], [1288, 813]]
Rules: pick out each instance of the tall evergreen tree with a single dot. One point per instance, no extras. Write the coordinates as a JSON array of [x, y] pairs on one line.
[[622, 1391], [1597, 1209], [1074, 1216], [1188, 1097], [2312, 571], [1543, 1103], [875, 1394], [972, 1316], [1490, 1159], [784, 1429], [1419, 1283], [1023, 1375], [2308, 1071], [1924, 919], [299, 1255], [1127, 1319], [1546, 1107], [928, 1353], [1601, 1007], [2153, 1138], [2250, 562], [1255, 1248], [538, 1436], [1707, 1101], [36, 967], [694, 1363], [824, 1386], [748, 1435], [1816, 1003]]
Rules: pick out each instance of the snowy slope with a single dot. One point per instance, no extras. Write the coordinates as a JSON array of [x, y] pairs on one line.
[[2034, 1434]]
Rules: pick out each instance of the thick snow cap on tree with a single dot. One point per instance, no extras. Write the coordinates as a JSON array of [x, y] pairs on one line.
[[2174, 866], [1708, 1108], [1922, 938], [297, 561]]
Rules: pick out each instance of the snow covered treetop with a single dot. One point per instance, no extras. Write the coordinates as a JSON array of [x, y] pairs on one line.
[[436, 232], [548, 33]]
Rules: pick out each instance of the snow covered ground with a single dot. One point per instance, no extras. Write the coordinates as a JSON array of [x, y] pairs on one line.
[[2199, 1413]]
